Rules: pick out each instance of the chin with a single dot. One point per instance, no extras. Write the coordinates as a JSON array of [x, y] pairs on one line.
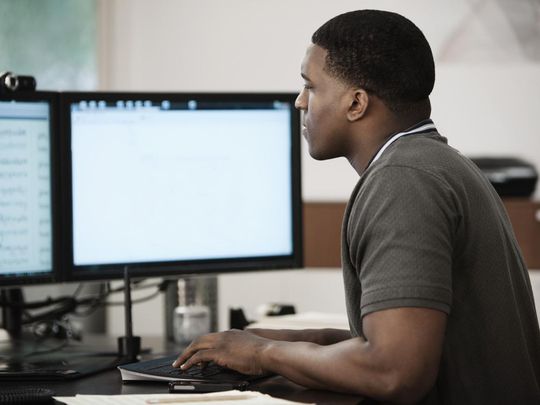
[[319, 155]]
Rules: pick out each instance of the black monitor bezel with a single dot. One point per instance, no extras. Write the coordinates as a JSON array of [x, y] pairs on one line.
[[177, 268], [56, 273]]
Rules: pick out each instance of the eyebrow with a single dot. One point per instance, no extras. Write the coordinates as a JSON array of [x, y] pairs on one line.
[[305, 77]]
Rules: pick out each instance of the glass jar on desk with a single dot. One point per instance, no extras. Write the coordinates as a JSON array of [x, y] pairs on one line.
[[190, 322]]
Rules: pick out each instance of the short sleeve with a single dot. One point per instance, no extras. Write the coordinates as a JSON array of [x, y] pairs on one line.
[[400, 234]]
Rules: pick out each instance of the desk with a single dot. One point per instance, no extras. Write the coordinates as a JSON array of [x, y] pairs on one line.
[[110, 382]]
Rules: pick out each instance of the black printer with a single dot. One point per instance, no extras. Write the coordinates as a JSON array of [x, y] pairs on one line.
[[511, 177]]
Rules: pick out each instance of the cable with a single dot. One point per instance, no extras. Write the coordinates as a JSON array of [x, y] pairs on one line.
[[62, 308], [63, 344], [34, 305], [77, 290], [78, 306], [137, 301]]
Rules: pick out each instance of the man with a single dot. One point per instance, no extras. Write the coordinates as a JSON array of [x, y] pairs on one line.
[[439, 301]]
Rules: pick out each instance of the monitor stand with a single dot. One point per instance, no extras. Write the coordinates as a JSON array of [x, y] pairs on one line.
[[12, 312], [14, 343], [129, 346]]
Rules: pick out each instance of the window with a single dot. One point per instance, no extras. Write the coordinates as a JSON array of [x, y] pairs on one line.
[[55, 41]]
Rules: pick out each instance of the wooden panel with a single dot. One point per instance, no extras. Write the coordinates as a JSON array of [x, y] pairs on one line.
[[322, 234], [535, 240], [525, 217], [322, 231]]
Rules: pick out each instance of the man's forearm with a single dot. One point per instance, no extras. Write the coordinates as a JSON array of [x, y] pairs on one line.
[[338, 367], [325, 336], [397, 362]]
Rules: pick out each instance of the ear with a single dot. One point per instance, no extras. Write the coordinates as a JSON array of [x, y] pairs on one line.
[[359, 102]]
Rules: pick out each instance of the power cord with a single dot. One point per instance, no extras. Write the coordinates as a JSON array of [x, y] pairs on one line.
[[45, 321]]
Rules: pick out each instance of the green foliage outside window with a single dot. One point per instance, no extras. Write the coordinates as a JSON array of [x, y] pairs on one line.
[[53, 40]]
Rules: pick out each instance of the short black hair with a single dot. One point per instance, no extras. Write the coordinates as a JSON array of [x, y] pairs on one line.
[[381, 52]]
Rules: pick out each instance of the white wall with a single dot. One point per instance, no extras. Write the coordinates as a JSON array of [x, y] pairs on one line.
[[257, 45], [309, 290]]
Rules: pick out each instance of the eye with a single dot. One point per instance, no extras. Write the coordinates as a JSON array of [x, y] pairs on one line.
[[307, 86]]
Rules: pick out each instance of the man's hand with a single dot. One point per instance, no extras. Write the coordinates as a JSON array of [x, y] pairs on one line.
[[234, 349]]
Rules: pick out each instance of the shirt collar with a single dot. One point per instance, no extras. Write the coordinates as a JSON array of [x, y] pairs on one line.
[[419, 128]]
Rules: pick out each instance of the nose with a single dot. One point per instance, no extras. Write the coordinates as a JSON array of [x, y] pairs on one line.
[[300, 102]]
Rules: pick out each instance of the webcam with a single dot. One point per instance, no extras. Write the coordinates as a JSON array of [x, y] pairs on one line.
[[11, 83]]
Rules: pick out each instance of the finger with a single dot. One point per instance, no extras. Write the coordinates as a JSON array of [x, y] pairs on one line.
[[200, 357], [194, 347], [201, 343], [186, 354]]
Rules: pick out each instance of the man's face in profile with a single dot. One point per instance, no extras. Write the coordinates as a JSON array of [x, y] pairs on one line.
[[324, 105]]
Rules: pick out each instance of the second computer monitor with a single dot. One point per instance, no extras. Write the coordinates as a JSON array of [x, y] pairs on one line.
[[173, 184], [28, 220]]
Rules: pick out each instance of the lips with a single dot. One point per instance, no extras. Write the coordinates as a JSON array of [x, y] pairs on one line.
[[304, 130]]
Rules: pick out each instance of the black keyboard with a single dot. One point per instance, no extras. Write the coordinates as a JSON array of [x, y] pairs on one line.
[[210, 371], [162, 368]]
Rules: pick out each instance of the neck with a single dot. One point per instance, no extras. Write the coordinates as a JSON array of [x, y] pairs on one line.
[[376, 130]]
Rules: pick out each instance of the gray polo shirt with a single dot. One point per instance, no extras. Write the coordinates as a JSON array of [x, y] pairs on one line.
[[424, 228]]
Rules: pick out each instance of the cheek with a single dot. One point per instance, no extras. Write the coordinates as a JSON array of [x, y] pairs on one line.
[[313, 114], [319, 116]]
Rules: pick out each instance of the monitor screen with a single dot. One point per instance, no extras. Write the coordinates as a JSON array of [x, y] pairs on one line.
[[26, 188], [177, 183]]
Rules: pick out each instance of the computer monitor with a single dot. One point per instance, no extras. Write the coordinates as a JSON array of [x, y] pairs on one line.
[[28, 186], [28, 200], [181, 184]]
